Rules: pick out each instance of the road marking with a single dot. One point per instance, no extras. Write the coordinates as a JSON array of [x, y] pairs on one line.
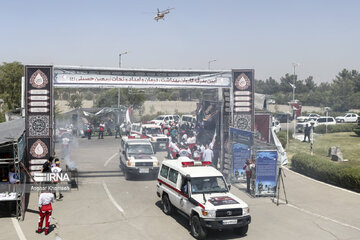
[[323, 217], [18, 229], [112, 199], [111, 158], [326, 184]]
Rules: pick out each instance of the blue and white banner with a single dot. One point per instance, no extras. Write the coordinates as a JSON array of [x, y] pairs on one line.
[[241, 152], [266, 167], [241, 136]]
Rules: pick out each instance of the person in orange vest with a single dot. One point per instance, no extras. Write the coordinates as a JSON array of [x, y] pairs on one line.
[[45, 200]]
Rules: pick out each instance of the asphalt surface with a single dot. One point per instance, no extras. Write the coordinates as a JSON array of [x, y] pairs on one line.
[[106, 206]]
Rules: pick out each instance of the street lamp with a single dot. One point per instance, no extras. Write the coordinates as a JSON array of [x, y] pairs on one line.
[[294, 65], [126, 52], [120, 54], [210, 62]]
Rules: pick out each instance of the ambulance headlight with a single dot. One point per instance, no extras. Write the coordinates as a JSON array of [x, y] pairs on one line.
[[209, 213], [246, 211], [156, 164]]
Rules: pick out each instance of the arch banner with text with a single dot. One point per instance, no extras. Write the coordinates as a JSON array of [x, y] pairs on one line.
[[237, 96]]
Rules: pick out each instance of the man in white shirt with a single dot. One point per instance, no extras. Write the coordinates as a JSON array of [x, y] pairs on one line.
[[45, 208], [208, 154], [13, 176], [57, 169], [173, 148]]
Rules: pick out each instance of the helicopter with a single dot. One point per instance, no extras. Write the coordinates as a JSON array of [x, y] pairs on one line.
[[161, 14]]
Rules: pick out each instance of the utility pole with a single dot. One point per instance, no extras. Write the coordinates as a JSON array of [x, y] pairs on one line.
[[118, 104], [209, 62], [294, 65]]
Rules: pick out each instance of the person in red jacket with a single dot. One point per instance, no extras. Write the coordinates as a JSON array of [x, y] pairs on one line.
[[45, 200], [247, 167]]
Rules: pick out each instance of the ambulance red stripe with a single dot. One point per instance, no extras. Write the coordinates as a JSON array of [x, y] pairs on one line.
[[178, 191]]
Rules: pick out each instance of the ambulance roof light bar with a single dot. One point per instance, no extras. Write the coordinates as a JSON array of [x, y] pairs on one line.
[[195, 163], [137, 137]]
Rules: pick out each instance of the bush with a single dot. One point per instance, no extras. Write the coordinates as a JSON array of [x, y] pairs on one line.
[[323, 169], [282, 137], [342, 127], [357, 131]]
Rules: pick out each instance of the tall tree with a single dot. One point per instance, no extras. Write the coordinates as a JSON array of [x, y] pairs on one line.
[[343, 87], [10, 84]]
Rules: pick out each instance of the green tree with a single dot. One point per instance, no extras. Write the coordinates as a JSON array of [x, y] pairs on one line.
[[75, 101], [128, 97], [10, 84], [343, 88]]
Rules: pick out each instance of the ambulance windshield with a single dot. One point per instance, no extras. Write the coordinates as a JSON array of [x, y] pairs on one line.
[[153, 131], [208, 185], [140, 149]]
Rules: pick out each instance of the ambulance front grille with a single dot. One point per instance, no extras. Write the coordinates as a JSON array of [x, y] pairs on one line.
[[143, 164], [229, 212]]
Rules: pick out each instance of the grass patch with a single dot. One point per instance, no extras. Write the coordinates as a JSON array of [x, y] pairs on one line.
[[348, 142], [319, 166]]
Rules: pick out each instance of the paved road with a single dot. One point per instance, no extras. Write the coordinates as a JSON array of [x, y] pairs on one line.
[[106, 206]]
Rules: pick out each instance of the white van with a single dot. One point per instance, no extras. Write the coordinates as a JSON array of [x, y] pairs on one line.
[[158, 140], [199, 192]]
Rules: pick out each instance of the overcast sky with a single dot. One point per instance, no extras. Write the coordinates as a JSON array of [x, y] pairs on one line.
[[322, 36]]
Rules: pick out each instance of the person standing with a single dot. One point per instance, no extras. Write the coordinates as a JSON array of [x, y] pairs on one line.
[[307, 132], [57, 169], [247, 167], [89, 131], [65, 151], [101, 130], [208, 154], [45, 209], [128, 129], [117, 130], [46, 168]]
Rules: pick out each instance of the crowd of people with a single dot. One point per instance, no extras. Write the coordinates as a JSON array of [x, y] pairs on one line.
[[184, 142]]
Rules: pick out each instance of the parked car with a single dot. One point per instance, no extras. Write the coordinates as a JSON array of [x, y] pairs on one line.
[[311, 116], [271, 101], [283, 117], [187, 119], [166, 119], [300, 126], [347, 118], [324, 121]]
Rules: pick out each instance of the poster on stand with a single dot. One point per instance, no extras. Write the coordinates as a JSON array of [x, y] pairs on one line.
[[241, 152], [241, 143], [266, 168]]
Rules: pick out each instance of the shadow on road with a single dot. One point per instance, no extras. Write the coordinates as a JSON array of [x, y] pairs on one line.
[[212, 234], [100, 174]]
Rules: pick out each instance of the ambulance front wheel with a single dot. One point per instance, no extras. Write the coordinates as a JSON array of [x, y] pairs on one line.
[[127, 175], [167, 206], [198, 231], [241, 230]]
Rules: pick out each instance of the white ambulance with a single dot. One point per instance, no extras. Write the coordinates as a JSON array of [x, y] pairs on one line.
[[159, 140], [199, 192], [137, 157]]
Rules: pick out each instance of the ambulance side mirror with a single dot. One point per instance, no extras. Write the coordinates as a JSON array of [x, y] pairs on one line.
[[229, 186]]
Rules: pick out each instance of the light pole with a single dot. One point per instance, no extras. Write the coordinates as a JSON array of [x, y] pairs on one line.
[[120, 54], [294, 65], [210, 62]]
